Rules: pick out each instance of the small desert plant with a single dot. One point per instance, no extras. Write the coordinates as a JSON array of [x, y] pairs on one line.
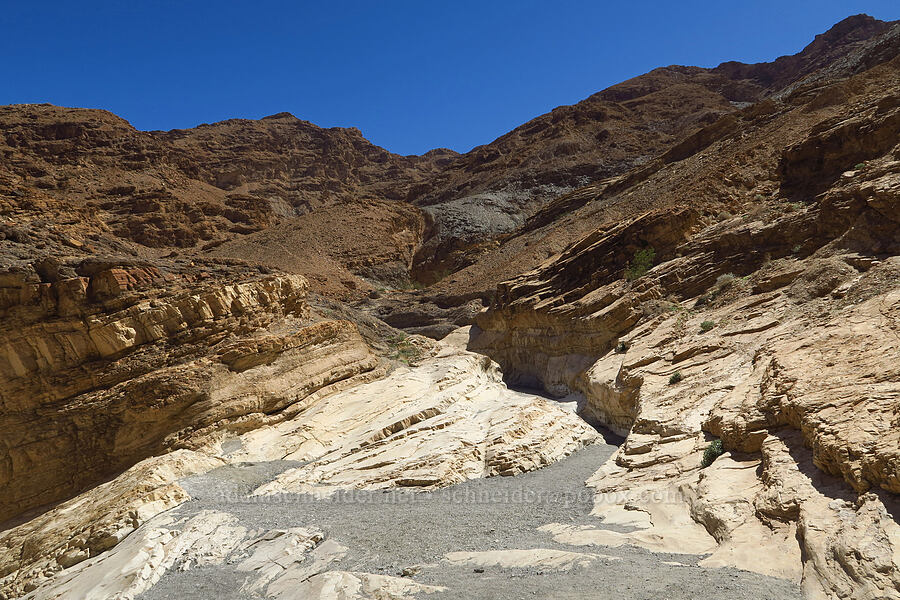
[[621, 348], [859, 166], [724, 280], [640, 264], [679, 327], [796, 248], [403, 350], [712, 452], [675, 378], [707, 325]]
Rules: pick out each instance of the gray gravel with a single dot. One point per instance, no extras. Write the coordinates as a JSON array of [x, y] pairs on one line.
[[389, 531]]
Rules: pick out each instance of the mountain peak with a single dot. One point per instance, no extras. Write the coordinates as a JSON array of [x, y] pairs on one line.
[[281, 115], [854, 28]]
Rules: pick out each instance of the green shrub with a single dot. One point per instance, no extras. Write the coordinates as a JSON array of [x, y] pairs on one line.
[[675, 378], [712, 452], [403, 350], [640, 264], [621, 348], [859, 166], [707, 325]]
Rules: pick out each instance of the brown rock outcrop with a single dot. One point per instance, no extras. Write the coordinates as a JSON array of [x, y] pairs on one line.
[[79, 182], [778, 334], [97, 375], [736, 165]]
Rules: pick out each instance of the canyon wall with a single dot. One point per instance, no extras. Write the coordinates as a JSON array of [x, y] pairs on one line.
[[775, 332]]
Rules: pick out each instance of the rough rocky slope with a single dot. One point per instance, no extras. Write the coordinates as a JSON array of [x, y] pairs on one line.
[[774, 330], [494, 188], [98, 186], [101, 186], [725, 166]]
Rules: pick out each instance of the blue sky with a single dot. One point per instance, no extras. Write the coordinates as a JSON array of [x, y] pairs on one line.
[[411, 75]]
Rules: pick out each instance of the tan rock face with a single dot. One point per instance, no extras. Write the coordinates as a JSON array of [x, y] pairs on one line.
[[88, 393], [303, 397], [794, 366]]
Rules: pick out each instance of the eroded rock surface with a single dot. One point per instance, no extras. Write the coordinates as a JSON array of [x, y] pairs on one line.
[[779, 338], [279, 564], [446, 420], [91, 384]]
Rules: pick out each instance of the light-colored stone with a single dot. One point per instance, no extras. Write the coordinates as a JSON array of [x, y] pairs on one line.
[[534, 558], [449, 419], [142, 558], [92, 523], [344, 585], [279, 564], [799, 376]]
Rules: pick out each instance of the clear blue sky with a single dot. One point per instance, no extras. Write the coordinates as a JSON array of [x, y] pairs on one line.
[[412, 75]]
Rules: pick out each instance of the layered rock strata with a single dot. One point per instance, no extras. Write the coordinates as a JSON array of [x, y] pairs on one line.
[[100, 372], [777, 336], [446, 420]]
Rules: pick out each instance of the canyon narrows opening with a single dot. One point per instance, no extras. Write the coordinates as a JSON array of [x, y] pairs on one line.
[[256, 526]]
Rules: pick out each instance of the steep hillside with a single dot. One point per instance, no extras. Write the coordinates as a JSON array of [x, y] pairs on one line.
[[614, 131], [730, 166], [102, 186], [298, 166], [771, 327]]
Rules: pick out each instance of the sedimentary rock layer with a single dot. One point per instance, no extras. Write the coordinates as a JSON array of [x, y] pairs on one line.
[[446, 420], [780, 337], [95, 376]]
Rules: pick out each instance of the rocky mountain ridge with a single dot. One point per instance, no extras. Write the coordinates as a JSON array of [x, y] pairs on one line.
[[193, 190]]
